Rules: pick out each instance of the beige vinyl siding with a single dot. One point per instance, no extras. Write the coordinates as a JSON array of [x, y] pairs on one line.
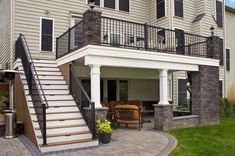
[[230, 38], [200, 6], [28, 13], [185, 23], [5, 33]]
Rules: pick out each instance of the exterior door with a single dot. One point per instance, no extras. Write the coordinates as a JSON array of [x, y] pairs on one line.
[[76, 33], [112, 90], [179, 35]]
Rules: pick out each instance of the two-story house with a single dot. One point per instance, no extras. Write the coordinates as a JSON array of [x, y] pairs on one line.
[[133, 50]]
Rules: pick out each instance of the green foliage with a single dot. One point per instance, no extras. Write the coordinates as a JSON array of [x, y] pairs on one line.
[[227, 108], [104, 127], [212, 140]]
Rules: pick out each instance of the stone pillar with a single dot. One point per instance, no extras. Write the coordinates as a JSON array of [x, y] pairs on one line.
[[163, 111], [163, 87], [163, 116], [92, 27], [95, 85], [205, 87]]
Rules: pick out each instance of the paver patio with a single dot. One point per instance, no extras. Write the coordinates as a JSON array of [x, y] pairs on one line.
[[125, 142]]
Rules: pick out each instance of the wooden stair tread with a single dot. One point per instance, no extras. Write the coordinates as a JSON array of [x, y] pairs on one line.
[[61, 119], [64, 126], [59, 112], [66, 134], [66, 142]]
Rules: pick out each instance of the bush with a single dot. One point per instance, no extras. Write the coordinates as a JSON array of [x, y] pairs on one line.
[[227, 108]]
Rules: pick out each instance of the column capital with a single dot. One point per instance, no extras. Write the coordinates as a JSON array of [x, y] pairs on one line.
[[94, 65]]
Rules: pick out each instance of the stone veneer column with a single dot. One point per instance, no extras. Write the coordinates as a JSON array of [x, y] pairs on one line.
[[163, 111], [92, 27], [205, 87]]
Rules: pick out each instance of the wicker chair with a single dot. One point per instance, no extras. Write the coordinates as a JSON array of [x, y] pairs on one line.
[[111, 111], [128, 114]]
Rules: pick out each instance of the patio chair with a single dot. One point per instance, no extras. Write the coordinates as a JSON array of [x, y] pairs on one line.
[[111, 111], [128, 114]]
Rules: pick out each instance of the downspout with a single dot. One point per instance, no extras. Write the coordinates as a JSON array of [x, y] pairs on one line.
[[12, 32]]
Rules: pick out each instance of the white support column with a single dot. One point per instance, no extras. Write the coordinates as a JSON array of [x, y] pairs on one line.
[[95, 85], [163, 87]]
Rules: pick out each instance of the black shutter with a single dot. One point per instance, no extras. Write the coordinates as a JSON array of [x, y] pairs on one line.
[[179, 35], [124, 5], [182, 92], [109, 4], [179, 8], [221, 52], [221, 88], [160, 8], [219, 13], [97, 2], [228, 59], [46, 35]]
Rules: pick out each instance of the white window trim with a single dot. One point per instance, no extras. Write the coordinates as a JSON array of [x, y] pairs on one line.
[[116, 5], [155, 1], [72, 17], [53, 34]]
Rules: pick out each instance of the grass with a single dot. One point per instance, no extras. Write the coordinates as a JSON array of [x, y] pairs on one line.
[[215, 140]]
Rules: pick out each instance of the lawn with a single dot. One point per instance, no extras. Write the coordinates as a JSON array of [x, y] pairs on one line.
[[216, 140]]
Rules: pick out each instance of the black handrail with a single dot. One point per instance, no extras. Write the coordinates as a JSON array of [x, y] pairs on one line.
[[34, 85], [83, 101]]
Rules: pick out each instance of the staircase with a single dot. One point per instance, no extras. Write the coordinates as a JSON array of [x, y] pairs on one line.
[[66, 128]]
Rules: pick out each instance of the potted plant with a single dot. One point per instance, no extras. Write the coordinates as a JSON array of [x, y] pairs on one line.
[[104, 130]]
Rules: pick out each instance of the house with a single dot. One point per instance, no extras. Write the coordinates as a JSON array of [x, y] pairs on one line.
[[133, 50]]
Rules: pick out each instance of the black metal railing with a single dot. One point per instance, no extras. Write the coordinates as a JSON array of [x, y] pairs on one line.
[[70, 40], [83, 101], [35, 88], [126, 34]]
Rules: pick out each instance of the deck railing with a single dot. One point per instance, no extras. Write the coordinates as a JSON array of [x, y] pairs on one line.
[[126, 34], [83, 101], [34, 86]]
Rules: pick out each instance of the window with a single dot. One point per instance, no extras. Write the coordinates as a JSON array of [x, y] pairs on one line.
[[221, 52], [179, 8], [221, 88], [97, 2], [123, 90], [109, 4], [124, 5], [219, 13], [46, 34], [182, 92], [160, 8], [228, 59]]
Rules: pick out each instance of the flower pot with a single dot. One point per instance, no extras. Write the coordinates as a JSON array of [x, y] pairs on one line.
[[105, 137]]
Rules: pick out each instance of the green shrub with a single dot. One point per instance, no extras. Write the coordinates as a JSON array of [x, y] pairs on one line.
[[227, 108]]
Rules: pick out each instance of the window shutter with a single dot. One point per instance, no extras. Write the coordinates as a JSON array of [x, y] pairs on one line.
[[182, 92], [179, 8], [160, 8], [219, 13], [228, 59], [124, 5], [109, 4], [179, 35], [221, 88], [221, 52], [46, 34]]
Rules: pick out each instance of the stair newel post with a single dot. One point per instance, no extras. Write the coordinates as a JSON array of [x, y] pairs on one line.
[[44, 125], [57, 47], [93, 124], [146, 36]]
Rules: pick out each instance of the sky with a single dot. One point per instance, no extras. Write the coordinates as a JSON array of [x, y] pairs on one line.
[[230, 3]]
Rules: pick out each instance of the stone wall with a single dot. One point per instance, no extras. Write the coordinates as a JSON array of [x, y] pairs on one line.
[[185, 121]]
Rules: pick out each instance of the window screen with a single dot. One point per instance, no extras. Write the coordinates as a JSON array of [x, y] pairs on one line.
[[160, 8], [46, 34]]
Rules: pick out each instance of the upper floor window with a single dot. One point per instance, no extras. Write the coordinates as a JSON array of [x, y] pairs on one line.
[[219, 13], [97, 2], [160, 8], [109, 4], [46, 34], [179, 8], [124, 5]]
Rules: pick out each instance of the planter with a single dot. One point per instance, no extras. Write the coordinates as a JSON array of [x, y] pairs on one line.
[[105, 137]]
